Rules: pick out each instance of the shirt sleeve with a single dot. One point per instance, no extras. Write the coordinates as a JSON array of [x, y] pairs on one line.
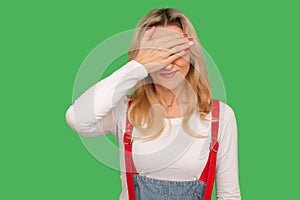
[[227, 182], [92, 113]]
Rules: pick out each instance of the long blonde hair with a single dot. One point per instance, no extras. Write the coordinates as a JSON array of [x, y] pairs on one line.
[[143, 112]]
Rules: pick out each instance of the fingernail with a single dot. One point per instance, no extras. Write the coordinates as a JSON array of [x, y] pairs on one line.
[[190, 39], [191, 42], [185, 35], [186, 49]]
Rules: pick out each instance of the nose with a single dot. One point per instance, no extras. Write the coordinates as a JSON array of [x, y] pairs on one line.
[[169, 67], [172, 66]]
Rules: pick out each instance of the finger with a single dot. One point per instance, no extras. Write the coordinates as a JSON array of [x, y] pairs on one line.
[[176, 56], [166, 41], [165, 53], [148, 33], [176, 42], [179, 48]]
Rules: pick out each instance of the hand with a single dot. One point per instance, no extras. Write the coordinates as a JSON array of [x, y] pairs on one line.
[[156, 54]]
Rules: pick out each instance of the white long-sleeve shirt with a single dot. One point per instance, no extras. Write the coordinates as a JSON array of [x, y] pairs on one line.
[[174, 155]]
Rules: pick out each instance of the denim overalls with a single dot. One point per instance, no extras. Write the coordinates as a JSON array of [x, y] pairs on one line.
[[144, 188]]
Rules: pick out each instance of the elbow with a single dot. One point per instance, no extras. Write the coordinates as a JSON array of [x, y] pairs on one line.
[[77, 126], [70, 119]]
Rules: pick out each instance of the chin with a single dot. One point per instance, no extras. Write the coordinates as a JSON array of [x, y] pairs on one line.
[[169, 83]]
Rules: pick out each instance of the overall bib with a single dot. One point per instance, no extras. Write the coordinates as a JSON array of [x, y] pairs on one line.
[[144, 188]]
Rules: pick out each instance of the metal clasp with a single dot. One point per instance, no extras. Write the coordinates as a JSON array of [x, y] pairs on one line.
[[128, 138]]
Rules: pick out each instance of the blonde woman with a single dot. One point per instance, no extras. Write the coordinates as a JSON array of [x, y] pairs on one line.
[[174, 139]]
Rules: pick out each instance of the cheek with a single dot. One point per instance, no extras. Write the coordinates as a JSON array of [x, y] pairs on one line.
[[154, 76], [182, 61]]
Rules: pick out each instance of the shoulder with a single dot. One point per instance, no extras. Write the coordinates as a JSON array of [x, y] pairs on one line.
[[228, 109], [227, 112], [228, 132]]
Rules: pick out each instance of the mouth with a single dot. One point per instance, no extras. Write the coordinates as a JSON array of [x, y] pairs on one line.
[[168, 74]]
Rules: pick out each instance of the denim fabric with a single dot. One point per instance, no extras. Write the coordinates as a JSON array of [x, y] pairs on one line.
[[154, 189]]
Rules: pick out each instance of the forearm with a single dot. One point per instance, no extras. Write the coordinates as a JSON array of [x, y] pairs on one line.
[[90, 112]]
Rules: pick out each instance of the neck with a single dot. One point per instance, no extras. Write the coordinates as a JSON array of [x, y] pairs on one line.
[[169, 96]]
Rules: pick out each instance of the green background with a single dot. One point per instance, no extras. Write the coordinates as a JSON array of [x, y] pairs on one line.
[[255, 45]]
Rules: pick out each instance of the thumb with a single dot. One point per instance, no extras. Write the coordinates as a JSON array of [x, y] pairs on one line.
[[148, 33]]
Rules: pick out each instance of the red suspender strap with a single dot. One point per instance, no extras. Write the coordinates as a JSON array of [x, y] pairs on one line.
[[208, 174], [130, 168]]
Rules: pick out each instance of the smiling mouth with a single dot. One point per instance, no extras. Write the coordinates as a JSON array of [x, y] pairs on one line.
[[168, 74]]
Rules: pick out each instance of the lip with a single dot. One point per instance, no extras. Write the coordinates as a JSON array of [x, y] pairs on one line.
[[168, 74]]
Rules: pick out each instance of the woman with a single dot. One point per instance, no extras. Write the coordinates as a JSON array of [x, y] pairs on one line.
[[171, 131]]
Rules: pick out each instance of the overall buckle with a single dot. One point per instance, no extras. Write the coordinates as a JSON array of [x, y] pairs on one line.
[[128, 138]]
